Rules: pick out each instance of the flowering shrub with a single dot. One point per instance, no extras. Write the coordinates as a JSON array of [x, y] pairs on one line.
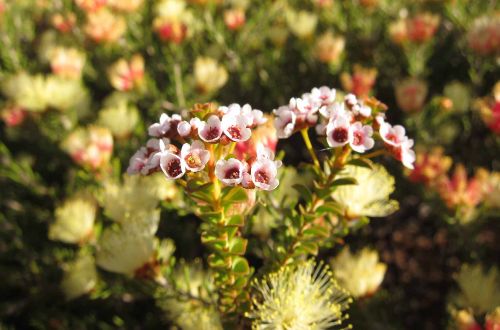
[[140, 189]]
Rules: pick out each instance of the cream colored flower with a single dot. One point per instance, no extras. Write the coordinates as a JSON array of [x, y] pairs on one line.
[[137, 195], [80, 277], [126, 75], [171, 9], [67, 62], [329, 48], [105, 26], [479, 289], [361, 273], [370, 196], [126, 250], [209, 75], [301, 297], [191, 280], [301, 23], [121, 119], [39, 93], [74, 221]]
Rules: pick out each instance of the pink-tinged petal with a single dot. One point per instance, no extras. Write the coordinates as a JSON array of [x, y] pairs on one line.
[[172, 165], [211, 130], [230, 171], [184, 128]]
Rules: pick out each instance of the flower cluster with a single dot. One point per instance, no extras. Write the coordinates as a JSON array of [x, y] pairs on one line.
[[417, 29], [349, 122], [212, 136]]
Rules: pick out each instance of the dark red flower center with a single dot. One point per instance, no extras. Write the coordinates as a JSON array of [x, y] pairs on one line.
[[262, 177], [174, 167], [340, 134], [357, 138], [232, 173], [235, 132]]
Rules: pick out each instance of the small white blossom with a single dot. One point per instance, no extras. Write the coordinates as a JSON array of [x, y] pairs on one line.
[[184, 128], [211, 130], [337, 132], [230, 171], [284, 122], [194, 156], [392, 135], [324, 94], [235, 127], [360, 138], [172, 165], [138, 161]]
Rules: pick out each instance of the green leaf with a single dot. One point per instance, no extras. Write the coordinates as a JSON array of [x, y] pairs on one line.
[[344, 182], [217, 261], [211, 217], [233, 195], [307, 248], [316, 232], [236, 220], [240, 266], [238, 246], [304, 192], [361, 162], [330, 207]]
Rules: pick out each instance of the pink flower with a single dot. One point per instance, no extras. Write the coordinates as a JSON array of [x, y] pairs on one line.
[[253, 117], [235, 127], [172, 165], [284, 122], [194, 156], [184, 128], [230, 171], [234, 18], [404, 153], [264, 169], [360, 138], [164, 126], [211, 130], [138, 161], [305, 108], [392, 136], [337, 132], [13, 116], [324, 95]]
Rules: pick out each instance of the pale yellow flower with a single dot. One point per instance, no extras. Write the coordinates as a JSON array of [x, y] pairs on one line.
[[361, 273], [105, 26], [125, 250], [209, 75], [121, 119], [301, 23], [479, 289], [329, 48], [136, 196], [125, 5], [301, 297], [39, 93], [74, 220], [80, 277], [370, 196]]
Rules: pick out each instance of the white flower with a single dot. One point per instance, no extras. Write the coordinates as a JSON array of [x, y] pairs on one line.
[[126, 250], [74, 221], [300, 297], [305, 108], [405, 154], [264, 172], [284, 122], [361, 273], [194, 156], [211, 130], [337, 132], [360, 138], [370, 196], [161, 128], [393, 136], [172, 165], [138, 161], [235, 127], [324, 95], [236, 110], [230, 171], [184, 128]]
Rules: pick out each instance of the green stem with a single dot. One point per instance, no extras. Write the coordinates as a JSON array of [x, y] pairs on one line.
[[179, 91], [309, 147]]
